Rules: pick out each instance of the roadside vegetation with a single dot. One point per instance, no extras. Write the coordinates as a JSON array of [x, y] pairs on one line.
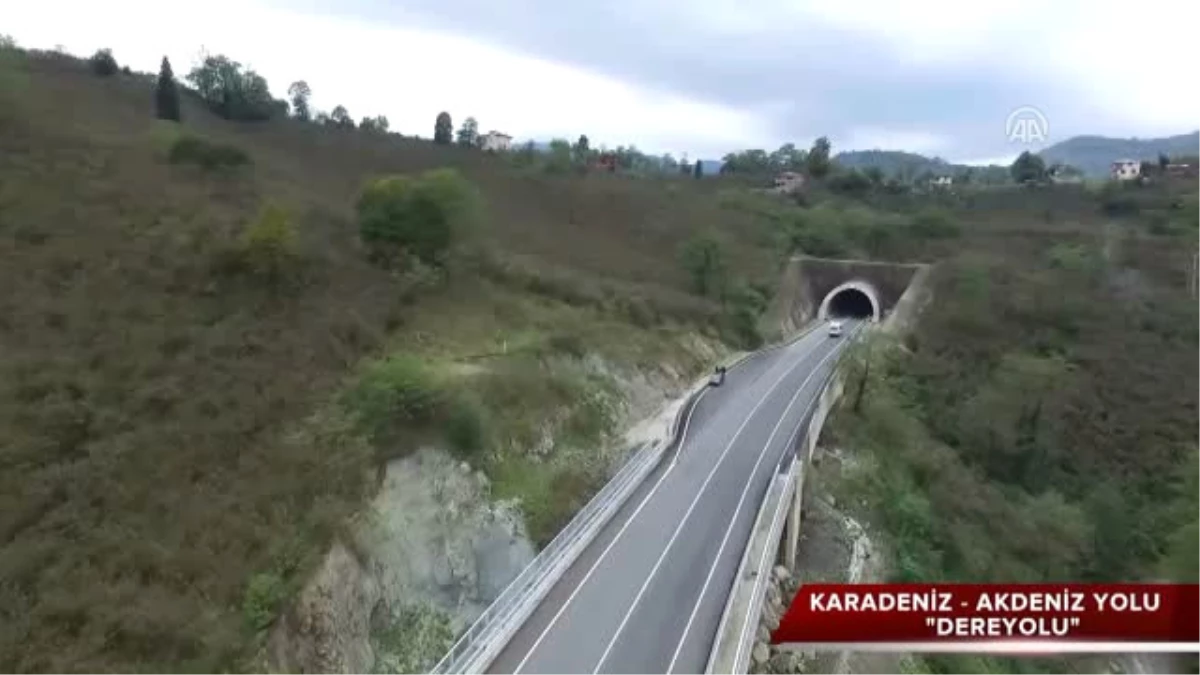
[[224, 312], [1039, 424]]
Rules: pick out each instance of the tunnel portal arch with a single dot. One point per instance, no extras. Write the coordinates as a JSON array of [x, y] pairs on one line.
[[848, 298]]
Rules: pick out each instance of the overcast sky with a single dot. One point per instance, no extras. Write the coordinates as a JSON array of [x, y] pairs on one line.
[[701, 77]]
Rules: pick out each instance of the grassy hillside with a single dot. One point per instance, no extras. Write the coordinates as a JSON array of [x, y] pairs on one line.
[[170, 418]]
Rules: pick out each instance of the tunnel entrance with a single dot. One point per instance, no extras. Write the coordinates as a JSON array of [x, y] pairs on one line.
[[852, 300], [851, 304]]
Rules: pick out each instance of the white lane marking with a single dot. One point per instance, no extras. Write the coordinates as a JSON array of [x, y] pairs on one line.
[[766, 551], [633, 516], [691, 507], [725, 541]]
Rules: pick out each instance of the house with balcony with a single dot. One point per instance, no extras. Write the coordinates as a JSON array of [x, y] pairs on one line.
[[1125, 169]]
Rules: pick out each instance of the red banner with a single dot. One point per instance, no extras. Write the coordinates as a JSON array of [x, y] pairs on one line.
[[974, 613]]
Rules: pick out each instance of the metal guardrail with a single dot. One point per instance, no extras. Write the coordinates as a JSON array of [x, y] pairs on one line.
[[483, 640], [479, 645]]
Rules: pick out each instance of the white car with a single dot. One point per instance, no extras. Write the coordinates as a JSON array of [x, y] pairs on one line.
[[835, 329]]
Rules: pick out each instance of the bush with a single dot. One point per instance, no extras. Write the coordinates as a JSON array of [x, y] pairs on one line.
[[819, 232], [104, 64], [268, 246], [1116, 201], [935, 224], [702, 258], [744, 304], [464, 427], [206, 154], [421, 215], [853, 183], [399, 389], [263, 596], [568, 344]]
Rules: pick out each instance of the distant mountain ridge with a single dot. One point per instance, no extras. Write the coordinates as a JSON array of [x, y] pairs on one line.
[[1094, 154]]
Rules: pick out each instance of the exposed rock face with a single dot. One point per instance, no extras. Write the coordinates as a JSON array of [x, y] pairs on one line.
[[433, 551], [328, 629], [431, 539]]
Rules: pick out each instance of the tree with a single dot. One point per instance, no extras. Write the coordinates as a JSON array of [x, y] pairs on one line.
[[443, 129], [231, 92], [748, 163], [788, 158], [340, 118], [558, 159], [300, 93], [582, 150], [468, 134], [1028, 167], [104, 64], [1163, 161], [377, 124], [698, 170], [701, 257], [420, 215], [874, 174], [818, 161], [166, 94]]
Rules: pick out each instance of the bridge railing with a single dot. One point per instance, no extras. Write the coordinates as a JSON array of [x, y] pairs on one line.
[[476, 648], [483, 640]]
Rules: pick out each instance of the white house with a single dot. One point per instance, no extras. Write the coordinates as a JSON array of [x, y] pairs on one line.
[[942, 181], [788, 182], [1125, 169], [494, 141]]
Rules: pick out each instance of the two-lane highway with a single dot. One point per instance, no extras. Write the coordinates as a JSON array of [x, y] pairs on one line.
[[646, 596]]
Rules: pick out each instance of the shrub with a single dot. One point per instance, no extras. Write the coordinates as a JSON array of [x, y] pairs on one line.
[[269, 245], [399, 389], [104, 64], [569, 344], [935, 224], [419, 215], [208, 155], [263, 596], [1117, 201], [819, 232], [464, 426], [853, 183], [702, 258], [744, 304]]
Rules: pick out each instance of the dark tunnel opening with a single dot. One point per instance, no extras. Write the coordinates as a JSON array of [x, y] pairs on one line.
[[851, 303]]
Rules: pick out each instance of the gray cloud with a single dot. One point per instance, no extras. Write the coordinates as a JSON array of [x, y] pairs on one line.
[[807, 80]]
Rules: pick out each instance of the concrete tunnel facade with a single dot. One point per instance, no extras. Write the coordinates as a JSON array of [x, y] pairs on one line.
[[821, 288], [856, 299]]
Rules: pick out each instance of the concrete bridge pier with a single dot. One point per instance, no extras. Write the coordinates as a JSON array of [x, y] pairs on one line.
[[791, 540]]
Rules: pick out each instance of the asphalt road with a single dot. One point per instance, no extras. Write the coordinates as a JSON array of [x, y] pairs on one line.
[[646, 596]]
